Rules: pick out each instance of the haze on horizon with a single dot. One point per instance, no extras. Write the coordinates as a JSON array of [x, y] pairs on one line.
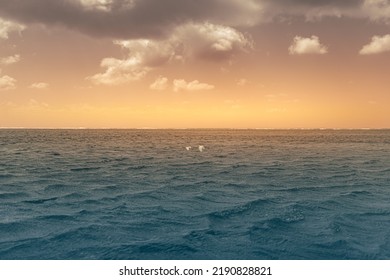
[[195, 64]]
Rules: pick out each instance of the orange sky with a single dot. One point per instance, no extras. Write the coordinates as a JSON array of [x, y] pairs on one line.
[[236, 64]]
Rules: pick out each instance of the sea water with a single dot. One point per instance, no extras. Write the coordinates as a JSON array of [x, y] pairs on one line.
[[144, 194]]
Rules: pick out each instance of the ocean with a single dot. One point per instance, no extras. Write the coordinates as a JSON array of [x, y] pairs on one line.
[[141, 194]]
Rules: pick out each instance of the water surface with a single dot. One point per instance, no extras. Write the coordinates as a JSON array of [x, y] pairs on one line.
[[139, 194]]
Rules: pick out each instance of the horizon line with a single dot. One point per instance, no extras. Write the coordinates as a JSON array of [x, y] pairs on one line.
[[189, 128]]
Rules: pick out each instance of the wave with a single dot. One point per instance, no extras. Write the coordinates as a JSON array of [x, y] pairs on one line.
[[239, 210], [13, 195], [252, 195], [82, 169], [40, 201]]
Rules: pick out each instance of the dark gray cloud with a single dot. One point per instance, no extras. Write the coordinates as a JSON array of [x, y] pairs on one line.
[[317, 9], [132, 19], [125, 18], [318, 3]]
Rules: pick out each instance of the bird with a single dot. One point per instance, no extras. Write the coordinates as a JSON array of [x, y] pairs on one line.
[[201, 148], [188, 148]]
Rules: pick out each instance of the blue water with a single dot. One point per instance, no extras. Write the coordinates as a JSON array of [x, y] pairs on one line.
[[139, 194]]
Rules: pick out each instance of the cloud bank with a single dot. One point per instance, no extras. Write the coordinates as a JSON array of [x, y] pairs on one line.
[[130, 19], [155, 19]]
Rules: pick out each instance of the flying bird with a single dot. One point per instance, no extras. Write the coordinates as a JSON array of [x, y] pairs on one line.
[[201, 148], [188, 148]]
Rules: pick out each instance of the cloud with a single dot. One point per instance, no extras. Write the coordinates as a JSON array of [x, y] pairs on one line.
[[303, 45], [156, 19], [130, 19], [377, 9], [160, 84], [149, 52], [179, 85], [211, 42], [143, 56], [7, 83], [6, 27], [312, 9], [103, 5], [10, 59], [192, 41], [378, 44], [39, 85], [120, 71]]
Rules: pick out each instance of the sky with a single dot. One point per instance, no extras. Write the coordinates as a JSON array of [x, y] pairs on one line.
[[195, 64]]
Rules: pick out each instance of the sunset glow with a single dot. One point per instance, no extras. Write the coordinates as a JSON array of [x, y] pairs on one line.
[[219, 64]]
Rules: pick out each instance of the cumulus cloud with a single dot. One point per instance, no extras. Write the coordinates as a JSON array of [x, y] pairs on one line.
[[6, 27], [120, 71], [179, 85], [210, 41], [10, 59], [143, 56], [199, 41], [310, 45], [378, 44], [149, 52], [161, 83], [39, 85], [7, 83]]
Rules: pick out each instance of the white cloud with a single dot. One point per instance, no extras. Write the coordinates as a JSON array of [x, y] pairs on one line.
[[211, 42], [160, 84], [103, 5], [179, 85], [39, 85], [150, 52], [378, 44], [10, 59], [196, 41], [144, 55], [7, 27], [310, 45], [7, 83], [120, 71]]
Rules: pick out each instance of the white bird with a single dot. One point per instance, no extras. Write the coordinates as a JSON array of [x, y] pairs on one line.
[[188, 148], [201, 148]]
